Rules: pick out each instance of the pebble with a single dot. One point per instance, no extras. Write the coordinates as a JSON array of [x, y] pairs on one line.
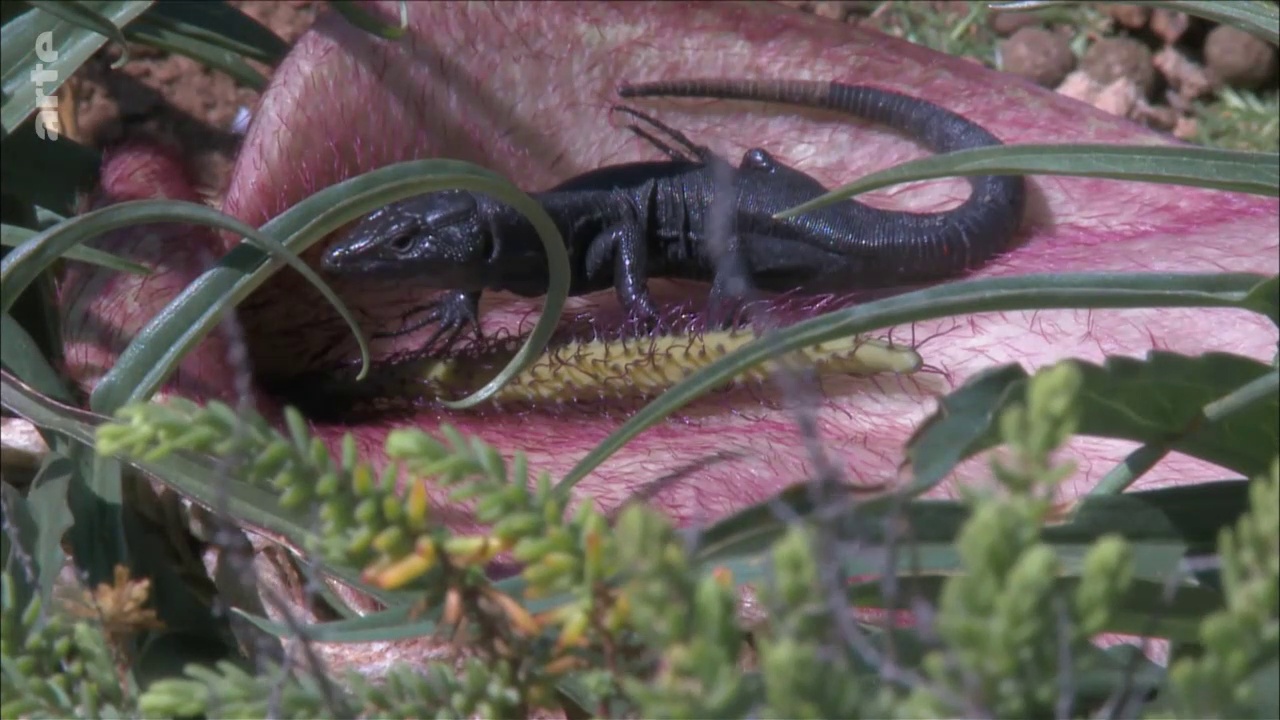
[[1134, 17], [1117, 97], [1239, 59], [1169, 25], [1184, 75], [1005, 24], [1110, 59], [1039, 55]]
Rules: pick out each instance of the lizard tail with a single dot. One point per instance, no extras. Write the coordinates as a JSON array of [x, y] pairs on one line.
[[938, 128], [933, 243]]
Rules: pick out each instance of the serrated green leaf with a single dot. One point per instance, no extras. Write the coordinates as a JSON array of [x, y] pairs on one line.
[[1158, 400], [1194, 514], [68, 48], [963, 419], [18, 543], [47, 502]]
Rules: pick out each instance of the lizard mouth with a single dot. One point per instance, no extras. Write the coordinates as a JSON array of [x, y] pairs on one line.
[[732, 448]]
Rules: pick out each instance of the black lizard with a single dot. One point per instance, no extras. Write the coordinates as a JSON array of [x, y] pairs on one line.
[[623, 224]]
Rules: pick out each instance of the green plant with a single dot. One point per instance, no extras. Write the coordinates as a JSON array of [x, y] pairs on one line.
[[632, 617]]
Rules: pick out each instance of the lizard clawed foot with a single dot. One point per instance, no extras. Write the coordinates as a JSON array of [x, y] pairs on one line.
[[731, 291], [725, 311], [452, 313]]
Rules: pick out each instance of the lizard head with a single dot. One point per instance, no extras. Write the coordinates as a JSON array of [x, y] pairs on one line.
[[439, 240]]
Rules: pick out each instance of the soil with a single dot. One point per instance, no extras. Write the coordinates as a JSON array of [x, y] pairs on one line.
[[176, 99]]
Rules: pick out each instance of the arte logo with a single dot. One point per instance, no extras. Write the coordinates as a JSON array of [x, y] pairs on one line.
[[47, 125]]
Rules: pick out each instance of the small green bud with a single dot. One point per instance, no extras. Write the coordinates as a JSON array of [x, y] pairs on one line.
[[1105, 577]]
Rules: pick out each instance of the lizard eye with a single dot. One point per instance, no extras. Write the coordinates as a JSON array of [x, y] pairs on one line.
[[402, 242]]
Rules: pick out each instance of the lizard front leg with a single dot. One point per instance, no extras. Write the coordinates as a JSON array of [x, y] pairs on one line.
[[624, 243], [453, 311]]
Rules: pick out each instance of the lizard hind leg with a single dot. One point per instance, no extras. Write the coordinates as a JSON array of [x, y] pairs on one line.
[[624, 244]]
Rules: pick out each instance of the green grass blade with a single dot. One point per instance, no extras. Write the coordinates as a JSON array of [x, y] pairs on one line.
[[1259, 17], [1217, 407], [206, 53], [70, 44], [1254, 173], [1165, 523], [83, 16], [22, 356], [392, 624], [357, 16], [159, 345], [219, 25], [1026, 292], [47, 502], [13, 236], [79, 168], [20, 267], [1265, 299]]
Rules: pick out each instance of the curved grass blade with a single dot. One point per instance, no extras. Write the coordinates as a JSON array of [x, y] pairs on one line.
[[20, 267], [26, 78], [206, 53], [1231, 170], [22, 356], [83, 16], [13, 236], [1148, 609], [399, 622], [1165, 522], [1265, 299], [159, 345], [1258, 17], [1027, 292], [219, 25], [396, 623], [79, 167], [358, 16]]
